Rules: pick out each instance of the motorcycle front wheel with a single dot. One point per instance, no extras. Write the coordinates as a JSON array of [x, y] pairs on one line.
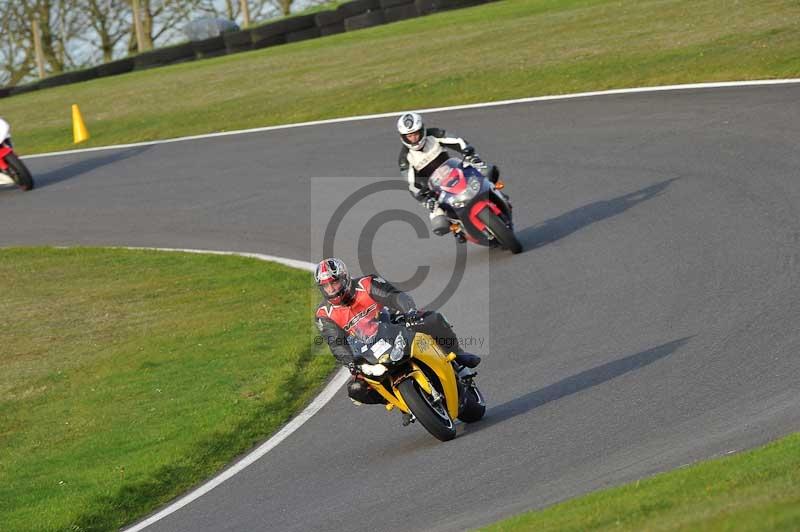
[[432, 415], [503, 234], [19, 172]]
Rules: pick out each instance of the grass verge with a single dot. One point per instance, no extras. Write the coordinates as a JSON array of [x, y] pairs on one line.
[[507, 49], [754, 490], [129, 376]]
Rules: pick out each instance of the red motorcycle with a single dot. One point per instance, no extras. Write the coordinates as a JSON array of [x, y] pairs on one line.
[[11, 165], [476, 207]]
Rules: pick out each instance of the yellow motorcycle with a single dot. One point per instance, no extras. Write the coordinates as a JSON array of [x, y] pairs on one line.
[[415, 376]]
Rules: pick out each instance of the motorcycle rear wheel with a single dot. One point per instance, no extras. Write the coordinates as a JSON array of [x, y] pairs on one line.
[[19, 172], [434, 418], [474, 405], [505, 236]]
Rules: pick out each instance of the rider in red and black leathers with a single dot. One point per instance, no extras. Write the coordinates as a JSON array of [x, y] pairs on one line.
[[350, 308]]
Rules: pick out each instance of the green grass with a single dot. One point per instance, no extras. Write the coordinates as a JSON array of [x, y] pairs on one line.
[[755, 490], [130, 376], [495, 51]]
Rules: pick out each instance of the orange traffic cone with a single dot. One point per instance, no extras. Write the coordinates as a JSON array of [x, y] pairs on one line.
[[79, 131]]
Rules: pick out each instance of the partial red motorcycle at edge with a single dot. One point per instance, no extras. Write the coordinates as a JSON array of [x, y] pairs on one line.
[[476, 207], [10, 165]]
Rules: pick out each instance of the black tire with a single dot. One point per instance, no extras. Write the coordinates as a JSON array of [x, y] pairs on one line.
[[169, 55], [68, 78], [302, 35], [19, 172], [402, 12], [272, 34], [22, 89], [284, 25], [474, 406], [356, 7], [425, 7], [441, 428], [213, 47], [270, 40], [366, 20], [114, 68], [237, 41], [331, 29], [386, 4], [328, 18], [504, 235]]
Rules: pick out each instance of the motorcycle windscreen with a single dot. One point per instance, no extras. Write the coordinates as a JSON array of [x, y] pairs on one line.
[[363, 336], [448, 177]]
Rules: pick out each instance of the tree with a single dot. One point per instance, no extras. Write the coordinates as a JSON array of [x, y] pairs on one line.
[[285, 6], [111, 20], [16, 55], [231, 9], [161, 18], [60, 26]]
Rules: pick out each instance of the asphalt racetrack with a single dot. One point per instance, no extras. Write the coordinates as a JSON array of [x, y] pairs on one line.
[[652, 320]]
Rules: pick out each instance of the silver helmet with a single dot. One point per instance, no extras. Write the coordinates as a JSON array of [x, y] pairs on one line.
[[408, 125]]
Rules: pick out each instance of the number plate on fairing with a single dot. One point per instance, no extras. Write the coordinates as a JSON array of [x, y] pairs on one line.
[[380, 347]]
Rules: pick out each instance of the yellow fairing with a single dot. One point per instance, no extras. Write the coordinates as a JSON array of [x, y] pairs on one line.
[[426, 351], [393, 398]]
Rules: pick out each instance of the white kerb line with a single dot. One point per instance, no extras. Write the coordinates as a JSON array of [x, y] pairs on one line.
[[319, 401]]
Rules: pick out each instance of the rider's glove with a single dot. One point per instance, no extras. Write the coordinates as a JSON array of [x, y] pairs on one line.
[[351, 366], [469, 150], [421, 194], [431, 204], [474, 160], [413, 317]]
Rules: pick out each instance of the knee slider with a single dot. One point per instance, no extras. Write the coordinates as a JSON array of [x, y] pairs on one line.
[[356, 389]]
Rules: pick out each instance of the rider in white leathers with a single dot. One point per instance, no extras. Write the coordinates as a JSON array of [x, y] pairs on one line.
[[425, 150]]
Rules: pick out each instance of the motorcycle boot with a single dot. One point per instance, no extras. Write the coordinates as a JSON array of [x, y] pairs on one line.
[[467, 359]]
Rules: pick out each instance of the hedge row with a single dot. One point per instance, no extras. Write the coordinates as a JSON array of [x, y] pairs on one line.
[[351, 16]]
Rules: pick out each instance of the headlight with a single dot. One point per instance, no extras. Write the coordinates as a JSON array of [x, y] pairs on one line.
[[374, 370], [399, 348], [473, 187]]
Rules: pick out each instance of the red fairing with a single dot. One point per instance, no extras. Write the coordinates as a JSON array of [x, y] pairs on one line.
[[478, 207], [4, 150], [455, 182]]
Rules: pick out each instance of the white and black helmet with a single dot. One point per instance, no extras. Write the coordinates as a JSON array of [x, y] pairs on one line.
[[409, 123]]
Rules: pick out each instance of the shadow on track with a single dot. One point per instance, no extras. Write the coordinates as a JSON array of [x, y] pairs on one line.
[[564, 225], [87, 165], [574, 384]]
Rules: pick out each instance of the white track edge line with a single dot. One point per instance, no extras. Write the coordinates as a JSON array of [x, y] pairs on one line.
[[659, 88], [295, 423]]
